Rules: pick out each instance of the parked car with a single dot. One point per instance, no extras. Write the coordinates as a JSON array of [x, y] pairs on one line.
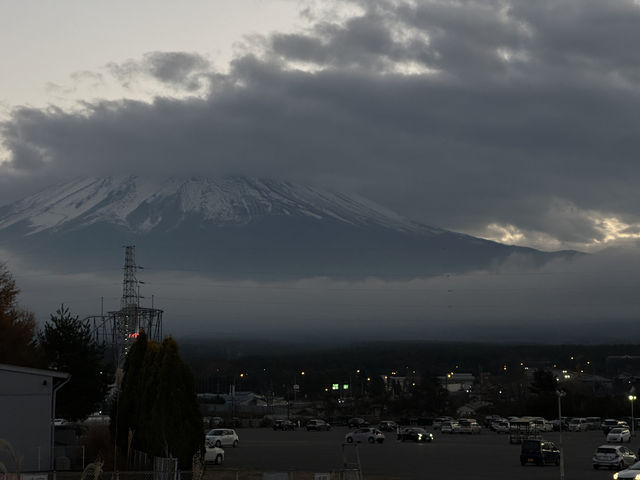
[[284, 425], [450, 427], [468, 425], [619, 435], [521, 429], [219, 437], [539, 452], [578, 424], [415, 434], [609, 423], [501, 426], [213, 422], [214, 455], [357, 423], [366, 434], [630, 473], [437, 422], [388, 426], [542, 425], [613, 456], [594, 423], [317, 425], [490, 419]]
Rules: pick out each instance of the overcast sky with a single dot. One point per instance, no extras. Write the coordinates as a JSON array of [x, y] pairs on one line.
[[513, 120]]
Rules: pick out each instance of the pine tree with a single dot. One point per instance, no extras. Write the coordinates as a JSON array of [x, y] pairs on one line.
[[69, 347]]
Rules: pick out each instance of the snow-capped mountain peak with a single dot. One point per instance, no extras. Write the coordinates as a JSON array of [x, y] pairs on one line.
[[141, 205]]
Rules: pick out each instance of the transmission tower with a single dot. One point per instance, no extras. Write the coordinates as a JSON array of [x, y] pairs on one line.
[[119, 329], [130, 297]]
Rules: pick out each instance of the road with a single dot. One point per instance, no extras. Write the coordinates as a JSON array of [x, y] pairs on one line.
[[481, 457]]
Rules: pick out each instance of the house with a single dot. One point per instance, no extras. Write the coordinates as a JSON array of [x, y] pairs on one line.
[[27, 412]]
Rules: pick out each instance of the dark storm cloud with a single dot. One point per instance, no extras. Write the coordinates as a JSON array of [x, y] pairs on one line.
[[460, 114]]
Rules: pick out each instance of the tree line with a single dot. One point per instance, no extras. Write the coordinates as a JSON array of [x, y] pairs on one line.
[[65, 343], [152, 401]]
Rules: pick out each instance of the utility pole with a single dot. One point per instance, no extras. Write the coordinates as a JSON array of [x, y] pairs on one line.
[[561, 393]]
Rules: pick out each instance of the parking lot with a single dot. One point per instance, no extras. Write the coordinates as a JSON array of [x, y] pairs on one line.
[[485, 456]]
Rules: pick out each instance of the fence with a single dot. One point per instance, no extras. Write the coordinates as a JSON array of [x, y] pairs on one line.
[[208, 474], [69, 458]]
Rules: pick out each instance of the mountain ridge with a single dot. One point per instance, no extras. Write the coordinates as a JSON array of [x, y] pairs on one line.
[[239, 226]]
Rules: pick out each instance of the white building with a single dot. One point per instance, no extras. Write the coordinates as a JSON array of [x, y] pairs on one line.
[[27, 410]]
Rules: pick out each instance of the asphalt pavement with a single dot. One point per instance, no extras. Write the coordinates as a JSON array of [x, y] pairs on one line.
[[479, 457]]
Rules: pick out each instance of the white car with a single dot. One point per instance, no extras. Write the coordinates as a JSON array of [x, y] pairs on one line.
[[468, 426], [222, 436], [450, 427], [366, 434], [500, 426], [214, 455], [632, 472], [613, 456], [619, 435]]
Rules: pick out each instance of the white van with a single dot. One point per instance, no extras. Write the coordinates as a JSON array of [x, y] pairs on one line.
[[578, 424]]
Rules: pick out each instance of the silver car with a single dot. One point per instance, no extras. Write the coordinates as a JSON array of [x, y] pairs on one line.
[[613, 456], [367, 434]]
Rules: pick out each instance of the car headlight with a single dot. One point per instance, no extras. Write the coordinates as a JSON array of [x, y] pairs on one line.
[[419, 436], [637, 477], [615, 476]]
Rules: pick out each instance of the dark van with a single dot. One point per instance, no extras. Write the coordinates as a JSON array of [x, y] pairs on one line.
[[539, 452]]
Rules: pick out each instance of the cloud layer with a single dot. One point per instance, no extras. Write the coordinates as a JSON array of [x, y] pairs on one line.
[[515, 120]]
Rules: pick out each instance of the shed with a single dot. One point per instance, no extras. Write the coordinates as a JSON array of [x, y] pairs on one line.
[[27, 411]]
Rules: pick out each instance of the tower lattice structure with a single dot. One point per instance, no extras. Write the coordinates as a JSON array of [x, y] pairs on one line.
[[119, 329], [130, 296]]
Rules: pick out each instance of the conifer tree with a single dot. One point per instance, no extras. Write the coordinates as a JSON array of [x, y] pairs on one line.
[[157, 402], [69, 346]]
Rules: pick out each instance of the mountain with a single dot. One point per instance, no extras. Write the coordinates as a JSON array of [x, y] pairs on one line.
[[237, 227]]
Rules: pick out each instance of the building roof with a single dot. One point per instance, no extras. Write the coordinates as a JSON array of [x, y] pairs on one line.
[[33, 371]]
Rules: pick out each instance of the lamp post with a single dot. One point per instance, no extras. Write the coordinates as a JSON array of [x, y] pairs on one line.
[[560, 394], [632, 399]]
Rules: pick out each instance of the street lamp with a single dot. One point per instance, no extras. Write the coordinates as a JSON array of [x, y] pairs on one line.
[[560, 394], [633, 423]]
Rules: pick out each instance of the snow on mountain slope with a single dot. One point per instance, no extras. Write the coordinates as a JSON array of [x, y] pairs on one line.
[[139, 204]]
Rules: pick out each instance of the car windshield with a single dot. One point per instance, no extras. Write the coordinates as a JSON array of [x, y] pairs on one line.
[[635, 466], [216, 432], [606, 450], [616, 430]]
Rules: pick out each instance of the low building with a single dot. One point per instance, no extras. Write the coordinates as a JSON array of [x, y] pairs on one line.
[[27, 412], [457, 382]]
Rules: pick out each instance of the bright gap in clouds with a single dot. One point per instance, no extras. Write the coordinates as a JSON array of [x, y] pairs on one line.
[[612, 230]]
